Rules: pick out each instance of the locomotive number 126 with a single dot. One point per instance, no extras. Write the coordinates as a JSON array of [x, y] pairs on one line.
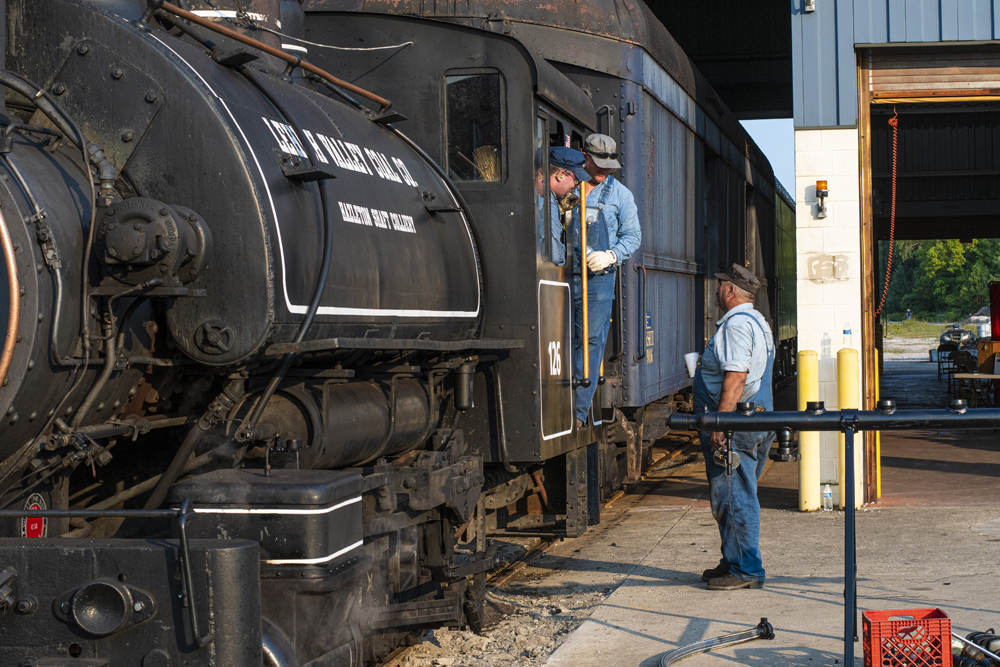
[[555, 358]]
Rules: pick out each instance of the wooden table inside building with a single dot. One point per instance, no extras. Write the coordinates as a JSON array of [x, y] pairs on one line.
[[980, 377]]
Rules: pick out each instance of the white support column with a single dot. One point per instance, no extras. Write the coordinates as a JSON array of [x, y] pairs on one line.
[[829, 261]]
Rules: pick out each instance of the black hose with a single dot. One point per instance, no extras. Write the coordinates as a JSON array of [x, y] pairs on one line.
[[324, 271]]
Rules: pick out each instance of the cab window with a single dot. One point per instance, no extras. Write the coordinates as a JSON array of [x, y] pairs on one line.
[[475, 126]]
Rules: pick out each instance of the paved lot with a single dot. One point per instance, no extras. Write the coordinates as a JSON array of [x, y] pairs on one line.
[[909, 557]]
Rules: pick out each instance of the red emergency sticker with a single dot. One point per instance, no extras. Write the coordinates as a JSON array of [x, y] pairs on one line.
[[33, 526]]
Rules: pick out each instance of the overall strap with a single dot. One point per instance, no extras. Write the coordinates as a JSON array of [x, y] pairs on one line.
[[606, 192], [755, 321]]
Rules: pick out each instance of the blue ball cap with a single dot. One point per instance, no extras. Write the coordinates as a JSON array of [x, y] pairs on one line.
[[569, 159]]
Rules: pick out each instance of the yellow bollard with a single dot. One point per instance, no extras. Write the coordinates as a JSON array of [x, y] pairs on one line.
[[809, 482], [848, 398]]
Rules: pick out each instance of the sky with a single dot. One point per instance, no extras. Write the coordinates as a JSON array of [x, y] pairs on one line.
[[776, 137]]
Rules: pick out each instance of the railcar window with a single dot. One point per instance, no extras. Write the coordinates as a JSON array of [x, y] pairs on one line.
[[541, 188], [475, 129]]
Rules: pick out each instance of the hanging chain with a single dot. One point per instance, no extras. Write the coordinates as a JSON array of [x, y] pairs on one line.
[[894, 123]]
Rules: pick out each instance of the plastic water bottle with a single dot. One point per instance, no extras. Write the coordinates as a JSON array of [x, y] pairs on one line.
[[848, 338], [827, 498]]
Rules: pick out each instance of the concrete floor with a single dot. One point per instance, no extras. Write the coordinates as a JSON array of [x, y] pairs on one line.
[[933, 541]]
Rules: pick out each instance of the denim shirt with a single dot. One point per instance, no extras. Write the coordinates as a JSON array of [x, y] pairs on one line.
[[739, 346], [621, 216]]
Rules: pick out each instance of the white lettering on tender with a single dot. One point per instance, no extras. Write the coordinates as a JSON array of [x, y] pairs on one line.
[[362, 215], [382, 166], [404, 172], [287, 140], [344, 154], [316, 149]]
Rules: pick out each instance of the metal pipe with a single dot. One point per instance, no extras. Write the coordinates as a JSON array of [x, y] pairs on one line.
[[585, 380], [13, 300], [850, 557], [762, 631], [640, 355], [277, 53], [173, 471], [989, 654], [823, 420]]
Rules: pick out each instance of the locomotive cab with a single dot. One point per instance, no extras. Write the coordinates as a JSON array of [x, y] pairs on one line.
[[496, 151]]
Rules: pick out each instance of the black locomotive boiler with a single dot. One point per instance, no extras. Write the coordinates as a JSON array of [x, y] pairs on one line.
[[223, 269], [274, 371]]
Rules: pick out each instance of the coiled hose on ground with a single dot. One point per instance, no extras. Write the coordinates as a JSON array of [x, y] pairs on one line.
[[763, 630]]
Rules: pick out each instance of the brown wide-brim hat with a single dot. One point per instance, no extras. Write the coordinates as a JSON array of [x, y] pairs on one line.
[[741, 277]]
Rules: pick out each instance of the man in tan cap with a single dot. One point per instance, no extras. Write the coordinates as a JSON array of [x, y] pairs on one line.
[[736, 368], [613, 234]]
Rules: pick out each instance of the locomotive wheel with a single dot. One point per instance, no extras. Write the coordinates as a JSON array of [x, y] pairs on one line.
[[475, 597]]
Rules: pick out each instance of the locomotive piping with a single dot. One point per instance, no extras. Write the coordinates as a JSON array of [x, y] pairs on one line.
[[277, 53], [324, 270], [13, 297]]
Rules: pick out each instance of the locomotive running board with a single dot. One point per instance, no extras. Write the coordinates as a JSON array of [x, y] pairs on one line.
[[393, 344]]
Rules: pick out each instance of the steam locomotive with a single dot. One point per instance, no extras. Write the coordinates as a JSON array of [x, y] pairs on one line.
[[272, 373]]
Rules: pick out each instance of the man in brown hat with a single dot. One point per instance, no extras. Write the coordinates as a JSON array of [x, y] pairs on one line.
[[736, 368]]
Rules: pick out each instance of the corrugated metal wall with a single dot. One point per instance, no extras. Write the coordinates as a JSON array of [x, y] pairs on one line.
[[823, 62], [884, 21], [668, 244]]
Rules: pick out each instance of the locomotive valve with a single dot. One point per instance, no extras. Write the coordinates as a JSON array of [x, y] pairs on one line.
[[141, 238]]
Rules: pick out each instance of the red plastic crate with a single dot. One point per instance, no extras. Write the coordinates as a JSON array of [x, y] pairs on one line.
[[907, 638]]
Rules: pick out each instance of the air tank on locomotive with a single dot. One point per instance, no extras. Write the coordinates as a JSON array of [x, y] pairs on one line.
[[234, 193]]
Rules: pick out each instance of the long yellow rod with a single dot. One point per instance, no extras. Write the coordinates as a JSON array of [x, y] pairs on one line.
[[583, 279]]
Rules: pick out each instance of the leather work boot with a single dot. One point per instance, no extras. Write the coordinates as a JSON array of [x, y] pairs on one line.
[[731, 582], [714, 573], [580, 423]]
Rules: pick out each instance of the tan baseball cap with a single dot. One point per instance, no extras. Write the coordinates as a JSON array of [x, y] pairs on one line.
[[741, 277], [603, 150]]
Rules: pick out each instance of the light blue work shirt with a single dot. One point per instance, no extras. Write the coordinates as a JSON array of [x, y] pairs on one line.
[[738, 346], [620, 215]]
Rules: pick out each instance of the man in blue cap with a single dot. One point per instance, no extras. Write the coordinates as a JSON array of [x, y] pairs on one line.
[[566, 170], [613, 234]]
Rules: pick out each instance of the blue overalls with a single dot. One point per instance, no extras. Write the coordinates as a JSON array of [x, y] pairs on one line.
[[600, 297], [734, 498]]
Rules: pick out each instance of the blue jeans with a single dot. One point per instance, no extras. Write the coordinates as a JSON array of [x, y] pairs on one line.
[[600, 296], [735, 505]]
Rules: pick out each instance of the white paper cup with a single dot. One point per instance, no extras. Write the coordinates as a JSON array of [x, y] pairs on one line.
[[691, 359]]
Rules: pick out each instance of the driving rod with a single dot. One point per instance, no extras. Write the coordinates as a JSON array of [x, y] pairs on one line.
[[815, 418]]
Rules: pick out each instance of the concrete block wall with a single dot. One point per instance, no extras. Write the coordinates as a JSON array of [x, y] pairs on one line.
[[829, 261]]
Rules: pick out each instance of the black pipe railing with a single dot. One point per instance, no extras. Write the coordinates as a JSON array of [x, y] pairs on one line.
[[849, 422]]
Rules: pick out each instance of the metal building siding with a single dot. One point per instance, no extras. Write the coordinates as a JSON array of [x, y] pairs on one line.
[[668, 245], [887, 21], [825, 88]]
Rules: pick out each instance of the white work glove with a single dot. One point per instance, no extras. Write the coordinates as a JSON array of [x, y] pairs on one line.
[[599, 260]]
